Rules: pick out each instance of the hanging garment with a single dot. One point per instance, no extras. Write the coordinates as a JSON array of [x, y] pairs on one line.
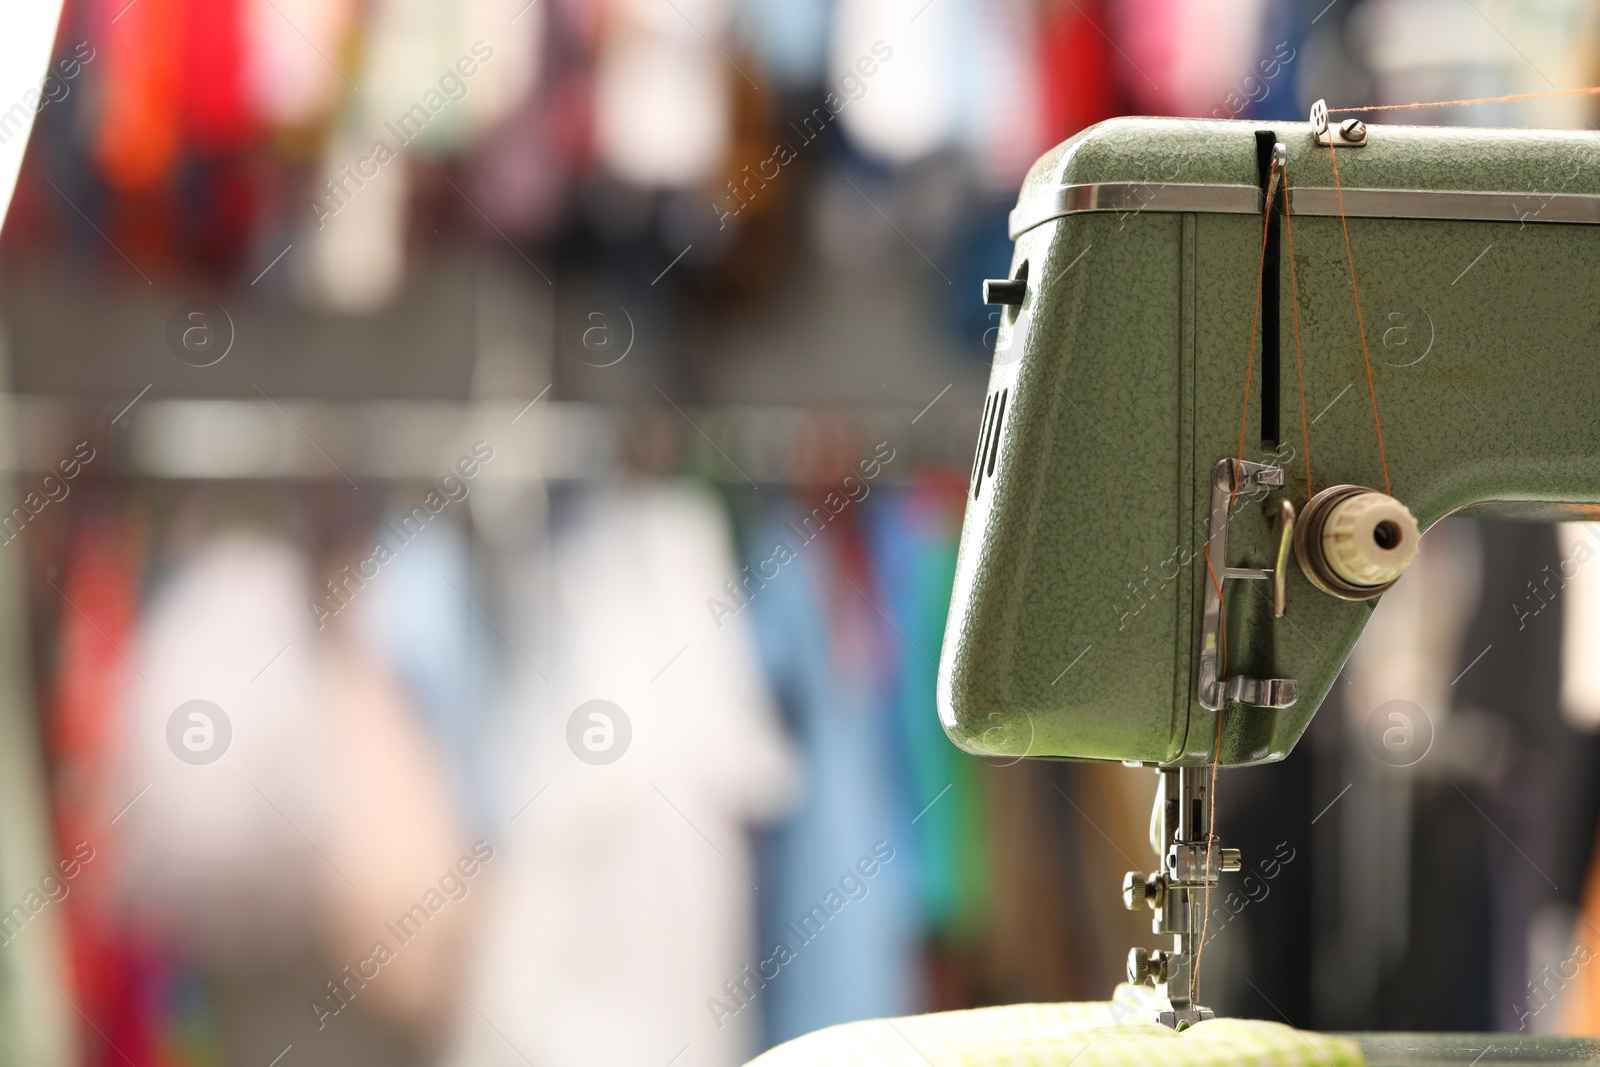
[[85, 728], [789, 37], [1003, 117], [138, 999], [521, 167], [394, 835], [1077, 86], [355, 228], [1171, 63], [297, 59], [215, 105], [417, 618], [218, 182], [403, 681], [222, 847], [413, 94], [139, 129], [909, 106], [428, 83], [515, 29], [622, 893], [96, 590], [833, 661], [914, 536], [663, 112]]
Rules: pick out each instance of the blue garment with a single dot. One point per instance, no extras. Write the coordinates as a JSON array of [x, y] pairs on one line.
[[417, 613], [914, 536], [832, 660], [790, 37], [1271, 89]]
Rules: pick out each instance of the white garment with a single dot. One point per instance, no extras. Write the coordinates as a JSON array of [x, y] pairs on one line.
[[222, 855], [418, 102], [356, 262], [910, 106], [623, 894], [297, 63], [1004, 117], [663, 110]]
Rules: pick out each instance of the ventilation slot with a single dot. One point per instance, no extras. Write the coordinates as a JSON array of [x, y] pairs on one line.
[[983, 439], [994, 415]]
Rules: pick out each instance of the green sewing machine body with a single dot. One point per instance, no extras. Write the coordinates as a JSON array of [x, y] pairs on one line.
[[1076, 625]]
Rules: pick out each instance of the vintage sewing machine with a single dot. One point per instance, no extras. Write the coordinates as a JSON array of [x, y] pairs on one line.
[[1134, 587]]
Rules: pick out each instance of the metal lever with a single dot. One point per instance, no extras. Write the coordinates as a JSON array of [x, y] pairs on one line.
[[1005, 291], [1280, 566], [1229, 478]]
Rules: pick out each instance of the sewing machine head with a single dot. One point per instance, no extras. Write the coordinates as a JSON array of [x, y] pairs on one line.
[[1193, 477]]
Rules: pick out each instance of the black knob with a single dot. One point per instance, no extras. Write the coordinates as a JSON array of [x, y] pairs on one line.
[[1004, 290]]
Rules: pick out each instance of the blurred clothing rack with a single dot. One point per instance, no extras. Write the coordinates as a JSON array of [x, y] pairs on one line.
[[542, 440]]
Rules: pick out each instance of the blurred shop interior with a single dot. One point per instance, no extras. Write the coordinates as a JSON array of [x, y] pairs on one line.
[[403, 377]]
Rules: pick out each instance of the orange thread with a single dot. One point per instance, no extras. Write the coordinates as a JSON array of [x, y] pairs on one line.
[[1372, 391], [1222, 617], [1458, 103], [1294, 298], [1211, 838], [1244, 413], [1221, 605]]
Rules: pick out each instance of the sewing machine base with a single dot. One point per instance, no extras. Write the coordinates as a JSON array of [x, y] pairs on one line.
[[1402, 1049]]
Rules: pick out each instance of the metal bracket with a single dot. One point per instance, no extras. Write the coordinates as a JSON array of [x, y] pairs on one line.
[[1351, 133], [1229, 479]]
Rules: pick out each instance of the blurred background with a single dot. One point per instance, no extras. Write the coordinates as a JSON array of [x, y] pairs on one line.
[[485, 479]]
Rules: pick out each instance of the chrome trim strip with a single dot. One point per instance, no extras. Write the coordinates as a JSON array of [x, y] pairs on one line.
[[1134, 197], [1439, 204], [1572, 208]]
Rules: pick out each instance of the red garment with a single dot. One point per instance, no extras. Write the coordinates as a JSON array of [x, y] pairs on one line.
[[97, 629], [1075, 62], [215, 109], [137, 140]]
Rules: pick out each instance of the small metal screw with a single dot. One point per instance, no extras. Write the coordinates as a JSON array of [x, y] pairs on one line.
[[1232, 860], [1146, 966], [1133, 891], [1353, 130]]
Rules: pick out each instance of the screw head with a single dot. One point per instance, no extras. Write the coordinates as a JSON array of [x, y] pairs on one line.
[[1146, 966], [1232, 860], [1353, 130], [1133, 891]]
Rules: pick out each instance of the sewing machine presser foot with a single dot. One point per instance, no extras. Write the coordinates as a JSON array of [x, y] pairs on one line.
[[1190, 863]]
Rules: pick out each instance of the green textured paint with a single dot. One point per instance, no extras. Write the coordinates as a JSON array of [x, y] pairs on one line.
[[1128, 388]]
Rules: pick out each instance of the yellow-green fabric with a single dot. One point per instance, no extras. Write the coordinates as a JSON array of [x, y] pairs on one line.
[[1101, 1034]]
